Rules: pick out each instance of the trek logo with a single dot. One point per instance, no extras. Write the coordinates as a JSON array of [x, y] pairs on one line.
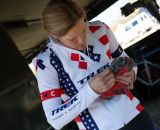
[[65, 105], [93, 73]]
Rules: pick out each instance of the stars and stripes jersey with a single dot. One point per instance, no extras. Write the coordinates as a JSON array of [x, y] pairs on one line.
[[63, 73]]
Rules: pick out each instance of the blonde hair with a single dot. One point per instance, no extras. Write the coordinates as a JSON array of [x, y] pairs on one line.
[[59, 16]]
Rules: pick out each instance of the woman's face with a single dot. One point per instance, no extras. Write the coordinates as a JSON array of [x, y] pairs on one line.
[[76, 37]]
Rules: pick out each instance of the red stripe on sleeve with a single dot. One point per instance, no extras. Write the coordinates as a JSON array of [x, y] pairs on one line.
[[129, 94], [51, 94], [78, 119], [140, 108]]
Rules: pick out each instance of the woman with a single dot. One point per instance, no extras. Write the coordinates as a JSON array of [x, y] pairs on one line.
[[72, 73]]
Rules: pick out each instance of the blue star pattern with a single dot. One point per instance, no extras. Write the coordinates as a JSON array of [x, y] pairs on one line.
[[64, 79], [93, 56], [70, 89], [88, 120], [117, 52]]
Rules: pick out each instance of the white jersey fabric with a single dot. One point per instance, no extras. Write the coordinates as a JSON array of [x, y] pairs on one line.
[[63, 74]]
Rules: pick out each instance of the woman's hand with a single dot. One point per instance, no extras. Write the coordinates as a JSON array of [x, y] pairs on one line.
[[102, 82], [127, 78]]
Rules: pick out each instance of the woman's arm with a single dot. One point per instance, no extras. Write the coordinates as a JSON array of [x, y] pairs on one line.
[[117, 51], [59, 114]]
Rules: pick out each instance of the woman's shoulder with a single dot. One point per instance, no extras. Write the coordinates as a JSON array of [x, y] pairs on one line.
[[96, 23], [42, 57]]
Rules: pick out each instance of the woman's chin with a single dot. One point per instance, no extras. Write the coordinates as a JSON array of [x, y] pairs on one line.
[[81, 48]]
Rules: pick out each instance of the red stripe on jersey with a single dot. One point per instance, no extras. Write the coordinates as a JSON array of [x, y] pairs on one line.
[[140, 108], [78, 119], [108, 54], [104, 40], [129, 94], [74, 57], [93, 29], [51, 94]]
